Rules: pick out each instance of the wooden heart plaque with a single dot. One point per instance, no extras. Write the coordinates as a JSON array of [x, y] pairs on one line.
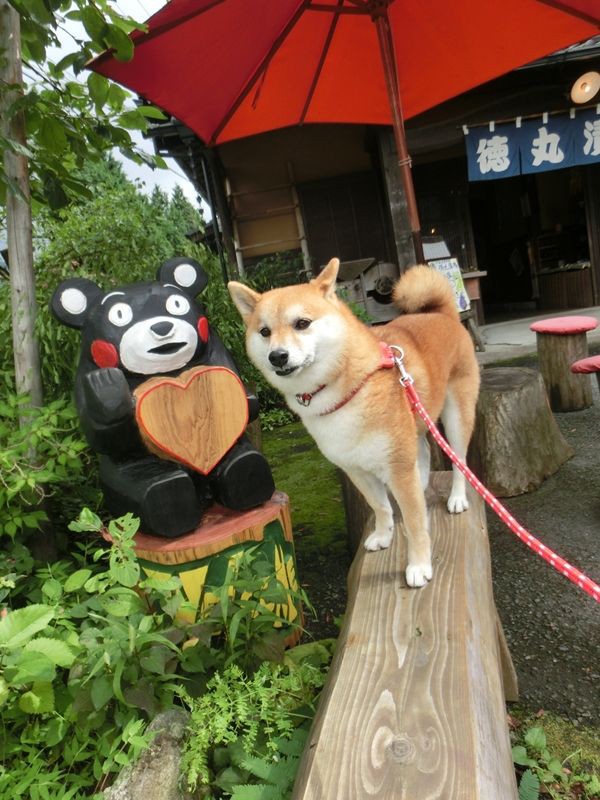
[[194, 418]]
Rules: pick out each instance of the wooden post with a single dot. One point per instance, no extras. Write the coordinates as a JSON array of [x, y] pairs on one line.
[[18, 213], [405, 251], [414, 706]]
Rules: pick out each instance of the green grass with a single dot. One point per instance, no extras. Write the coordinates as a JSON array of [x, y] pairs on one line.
[[312, 485], [564, 739]]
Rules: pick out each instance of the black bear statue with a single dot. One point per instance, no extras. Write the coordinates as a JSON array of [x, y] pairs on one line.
[[128, 335]]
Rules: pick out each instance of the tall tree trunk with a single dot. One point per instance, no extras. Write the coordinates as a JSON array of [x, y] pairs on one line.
[[18, 213]]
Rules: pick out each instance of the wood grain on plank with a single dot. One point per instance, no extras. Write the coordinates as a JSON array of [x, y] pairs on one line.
[[414, 706]]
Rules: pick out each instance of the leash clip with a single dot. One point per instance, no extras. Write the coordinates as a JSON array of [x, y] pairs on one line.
[[405, 378]]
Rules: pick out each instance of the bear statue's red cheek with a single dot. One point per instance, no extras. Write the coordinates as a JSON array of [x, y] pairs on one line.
[[203, 328], [104, 354]]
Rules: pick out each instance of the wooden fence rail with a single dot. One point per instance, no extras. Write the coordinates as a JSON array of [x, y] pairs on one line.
[[414, 704]]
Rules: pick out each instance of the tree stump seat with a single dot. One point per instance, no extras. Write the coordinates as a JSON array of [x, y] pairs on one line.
[[586, 366], [200, 558], [516, 444], [560, 342]]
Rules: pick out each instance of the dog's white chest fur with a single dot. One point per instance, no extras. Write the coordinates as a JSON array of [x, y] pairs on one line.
[[343, 440]]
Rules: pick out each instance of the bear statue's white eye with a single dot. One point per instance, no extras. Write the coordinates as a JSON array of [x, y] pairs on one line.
[[177, 305], [120, 314]]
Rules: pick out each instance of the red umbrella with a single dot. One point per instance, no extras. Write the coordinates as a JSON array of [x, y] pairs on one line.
[[233, 68]]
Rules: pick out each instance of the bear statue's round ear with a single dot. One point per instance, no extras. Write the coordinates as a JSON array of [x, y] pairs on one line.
[[185, 273], [72, 300]]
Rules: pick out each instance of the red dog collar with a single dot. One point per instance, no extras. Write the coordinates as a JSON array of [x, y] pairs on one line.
[[386, 362]]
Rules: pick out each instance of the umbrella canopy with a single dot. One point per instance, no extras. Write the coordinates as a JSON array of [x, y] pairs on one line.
[[234, 68]]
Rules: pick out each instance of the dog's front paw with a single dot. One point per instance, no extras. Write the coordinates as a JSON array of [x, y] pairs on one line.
[[418, 574], [457, 503], [378, 540]]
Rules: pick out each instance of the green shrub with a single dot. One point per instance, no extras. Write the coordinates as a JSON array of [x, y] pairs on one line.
[[90, 650], [42, 455], [249, 729]]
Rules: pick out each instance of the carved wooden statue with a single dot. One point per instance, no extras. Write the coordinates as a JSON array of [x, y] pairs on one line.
[[160, 398]]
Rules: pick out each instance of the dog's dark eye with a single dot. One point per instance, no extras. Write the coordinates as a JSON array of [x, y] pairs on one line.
[[302, 324], [265, 332]]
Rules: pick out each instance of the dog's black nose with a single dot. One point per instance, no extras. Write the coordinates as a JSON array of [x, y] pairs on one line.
[[278, 358], [161, 328]]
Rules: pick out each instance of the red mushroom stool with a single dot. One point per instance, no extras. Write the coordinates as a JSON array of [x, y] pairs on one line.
[[585, 366], [560, 342]]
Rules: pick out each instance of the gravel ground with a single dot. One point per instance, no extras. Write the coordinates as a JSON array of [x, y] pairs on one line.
[[552, 627]]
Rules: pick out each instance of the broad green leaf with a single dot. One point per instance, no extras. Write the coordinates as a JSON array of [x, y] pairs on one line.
[[30, 667], [152, 112], [520, 757], [98, 86], [133, 120], [536, 739], [126, 573], [38, 700], [123, 45], [101, 692], [77, 580], [121, 603], [94, 23], [58, 652], [51, 135], [56, 730], [52, 590], [116, 96], [19, 626]]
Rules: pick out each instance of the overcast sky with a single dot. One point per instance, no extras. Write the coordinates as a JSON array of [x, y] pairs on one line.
[[140, 10]]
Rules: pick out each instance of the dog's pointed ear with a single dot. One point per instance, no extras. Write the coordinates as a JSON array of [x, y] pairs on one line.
[[325, 281], [244, 298]]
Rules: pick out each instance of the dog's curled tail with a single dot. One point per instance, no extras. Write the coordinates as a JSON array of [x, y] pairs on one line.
[[423, 290]]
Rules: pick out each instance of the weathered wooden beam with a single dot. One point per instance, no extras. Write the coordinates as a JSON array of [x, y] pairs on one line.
[[414, 706]]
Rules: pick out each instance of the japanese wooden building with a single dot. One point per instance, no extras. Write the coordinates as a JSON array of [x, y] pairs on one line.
[[333, 190]]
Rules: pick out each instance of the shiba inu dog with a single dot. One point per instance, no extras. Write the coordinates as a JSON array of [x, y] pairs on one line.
[[337, 374]]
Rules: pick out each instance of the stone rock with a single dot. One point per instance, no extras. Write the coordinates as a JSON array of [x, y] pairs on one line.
[[156, 774]]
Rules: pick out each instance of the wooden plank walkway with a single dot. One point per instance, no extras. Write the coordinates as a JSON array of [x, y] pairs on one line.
[[414, 704]]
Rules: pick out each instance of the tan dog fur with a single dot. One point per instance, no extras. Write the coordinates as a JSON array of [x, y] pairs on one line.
[[374, 437]]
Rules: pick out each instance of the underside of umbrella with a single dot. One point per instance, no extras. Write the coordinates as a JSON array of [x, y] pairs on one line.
[[233, 68], [228, 69]]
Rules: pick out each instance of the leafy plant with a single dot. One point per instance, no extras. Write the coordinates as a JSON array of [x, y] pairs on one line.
[[81, 669], [275, 418], [245, 624], [28, 477], [547, 773], [248, 729], [90, 650]]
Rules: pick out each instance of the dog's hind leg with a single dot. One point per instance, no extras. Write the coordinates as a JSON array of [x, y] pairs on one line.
[[458, 419], [424, 459], [409, 495], [375, 493]]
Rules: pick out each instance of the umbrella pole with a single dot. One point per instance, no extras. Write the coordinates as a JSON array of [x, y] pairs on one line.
[[386, 47]]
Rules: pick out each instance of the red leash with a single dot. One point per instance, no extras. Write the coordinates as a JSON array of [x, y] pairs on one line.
[[559, 564]]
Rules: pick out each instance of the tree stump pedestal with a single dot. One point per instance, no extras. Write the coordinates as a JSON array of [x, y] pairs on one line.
[[201, 558], [516, 444]]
